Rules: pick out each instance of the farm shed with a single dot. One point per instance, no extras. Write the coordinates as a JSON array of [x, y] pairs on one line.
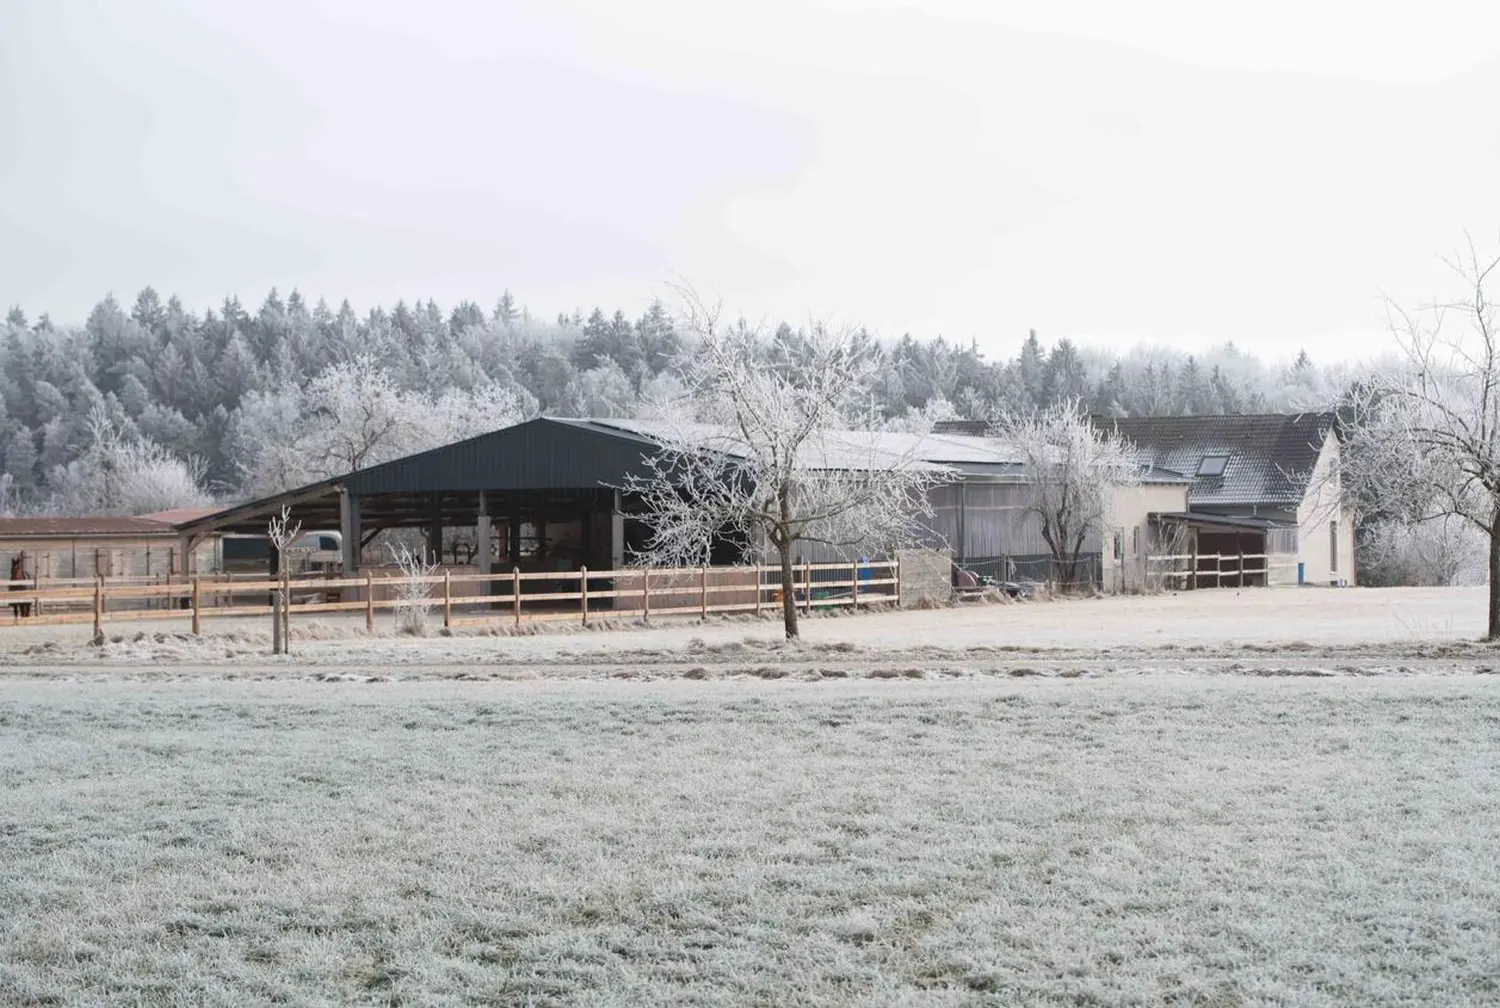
[[539, 496], [67, 549]]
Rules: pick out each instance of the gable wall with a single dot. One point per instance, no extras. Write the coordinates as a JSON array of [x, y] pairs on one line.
[[1323, 522]]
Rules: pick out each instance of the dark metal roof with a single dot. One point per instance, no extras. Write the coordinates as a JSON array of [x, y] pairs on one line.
[[542, 454], [1271, 456], [545, 454]]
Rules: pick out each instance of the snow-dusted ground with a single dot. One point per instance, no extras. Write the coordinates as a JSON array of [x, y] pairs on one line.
[[1165, 839], [1118, 629], [1280, 797]]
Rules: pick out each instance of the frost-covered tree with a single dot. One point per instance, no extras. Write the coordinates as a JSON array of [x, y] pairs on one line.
[[1071, 466], [765, 448], [119, 473], [354, 415], [1436, 553], [605, 391], [1424, 435], [463, 413]]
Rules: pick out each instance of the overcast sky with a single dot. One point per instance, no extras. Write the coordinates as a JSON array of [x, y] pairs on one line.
[[1110, 172]]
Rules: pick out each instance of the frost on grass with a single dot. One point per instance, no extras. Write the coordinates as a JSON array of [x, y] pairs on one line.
[[1026, 842]]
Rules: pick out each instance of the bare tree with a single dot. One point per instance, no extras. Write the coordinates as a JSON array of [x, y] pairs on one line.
[[282, 532], [1070, 467], [1425, 436], [760, 450]]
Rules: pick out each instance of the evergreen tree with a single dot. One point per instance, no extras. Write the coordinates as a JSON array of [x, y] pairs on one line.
[[21, 460], [505, 310], [1031, 367]]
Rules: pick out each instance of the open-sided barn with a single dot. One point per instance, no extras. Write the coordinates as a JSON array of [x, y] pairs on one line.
[[543, 496]]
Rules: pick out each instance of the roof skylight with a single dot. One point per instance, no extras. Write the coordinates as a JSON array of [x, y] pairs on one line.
[[1212, 465]]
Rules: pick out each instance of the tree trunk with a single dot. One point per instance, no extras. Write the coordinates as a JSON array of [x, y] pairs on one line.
[[1493, 624], [788, 589]]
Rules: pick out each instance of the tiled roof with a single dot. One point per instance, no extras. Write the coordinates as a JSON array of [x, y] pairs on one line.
[[1271, 456], [69, 527]]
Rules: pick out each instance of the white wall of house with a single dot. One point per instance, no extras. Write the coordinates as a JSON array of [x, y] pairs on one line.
[[1133, 539], [1325, 537]]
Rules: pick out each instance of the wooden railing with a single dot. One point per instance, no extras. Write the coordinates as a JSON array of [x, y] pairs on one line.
[[464, 598], [1217, 570]]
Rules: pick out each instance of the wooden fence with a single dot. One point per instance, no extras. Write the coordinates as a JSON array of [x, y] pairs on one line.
[[464, 598], [1218, 570]]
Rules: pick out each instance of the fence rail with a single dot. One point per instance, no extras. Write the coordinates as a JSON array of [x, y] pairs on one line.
[[1218, 570], [462, 598]]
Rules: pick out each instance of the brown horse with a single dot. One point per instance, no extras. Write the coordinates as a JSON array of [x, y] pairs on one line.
[[18, 573]]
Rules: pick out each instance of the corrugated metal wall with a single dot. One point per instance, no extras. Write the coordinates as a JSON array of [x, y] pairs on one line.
[[994, 519], [995, 522]]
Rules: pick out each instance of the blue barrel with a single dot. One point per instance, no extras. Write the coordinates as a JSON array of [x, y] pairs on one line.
[[1301, 573]]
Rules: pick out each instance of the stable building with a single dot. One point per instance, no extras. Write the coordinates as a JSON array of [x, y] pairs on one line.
[[543, 496], [81, 549]]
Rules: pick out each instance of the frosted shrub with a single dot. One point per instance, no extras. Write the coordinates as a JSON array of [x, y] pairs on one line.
[[413, 600]]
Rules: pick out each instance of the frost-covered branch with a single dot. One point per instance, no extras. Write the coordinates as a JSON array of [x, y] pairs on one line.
[[762, 451], [413, 608], [1423, 441], [122, 473], [1071, 466]]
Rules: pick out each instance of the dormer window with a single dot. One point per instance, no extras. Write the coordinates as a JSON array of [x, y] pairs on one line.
[[1212, 465]]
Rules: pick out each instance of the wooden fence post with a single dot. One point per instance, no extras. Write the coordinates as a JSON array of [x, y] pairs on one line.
[[286, 611], [646, 594], [99, 607], [760, 586], [369, 602], [1242, 567], [447, 600], [807, 585], [515, 593], [703, 593], [854, 589], [197, 608], [896, 576], [583, 593]]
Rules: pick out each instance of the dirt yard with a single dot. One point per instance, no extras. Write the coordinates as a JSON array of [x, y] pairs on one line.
[[1281, 797]]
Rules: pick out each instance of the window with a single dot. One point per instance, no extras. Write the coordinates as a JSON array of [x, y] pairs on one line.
[[1135, 540], [1212, 465], [1333, 547], [328, 544], [1119, 545]]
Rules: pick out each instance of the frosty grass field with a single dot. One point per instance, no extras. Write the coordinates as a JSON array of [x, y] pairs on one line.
[[1028, 804]]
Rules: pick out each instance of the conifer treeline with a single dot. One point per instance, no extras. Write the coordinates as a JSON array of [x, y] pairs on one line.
[[184, 381]]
